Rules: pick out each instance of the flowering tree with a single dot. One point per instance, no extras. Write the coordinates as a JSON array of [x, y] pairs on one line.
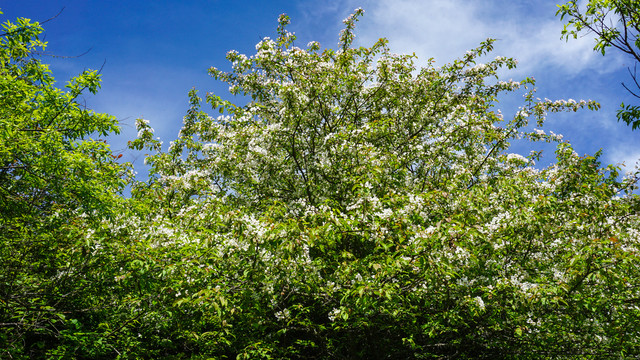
[[352, 206], [358, 206]]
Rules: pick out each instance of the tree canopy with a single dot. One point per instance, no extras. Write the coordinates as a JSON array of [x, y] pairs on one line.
[[56, 182], [349, 204]]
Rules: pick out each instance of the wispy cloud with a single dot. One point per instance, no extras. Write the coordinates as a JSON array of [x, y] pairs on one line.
[[445, 29], [628, 160]]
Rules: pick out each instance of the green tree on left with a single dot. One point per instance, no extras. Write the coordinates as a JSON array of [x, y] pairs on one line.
[[57, 177]]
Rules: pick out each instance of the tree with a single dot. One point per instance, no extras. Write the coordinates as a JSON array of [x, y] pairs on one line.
[[56, 183], [616, 24], [356, 206]]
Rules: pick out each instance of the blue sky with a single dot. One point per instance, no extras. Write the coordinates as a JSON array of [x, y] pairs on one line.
[[154, 52]]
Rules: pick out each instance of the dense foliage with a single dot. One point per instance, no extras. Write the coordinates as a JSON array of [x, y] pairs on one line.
[[353, 206], [55, 184]]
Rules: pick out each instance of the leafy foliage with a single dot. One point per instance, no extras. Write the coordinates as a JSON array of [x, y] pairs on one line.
[[352, 206], [358, 206], [55, 182], [616, 24]]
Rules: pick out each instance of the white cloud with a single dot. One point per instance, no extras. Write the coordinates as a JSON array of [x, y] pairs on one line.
[[441, 29], [627, 159], [445, 29]]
